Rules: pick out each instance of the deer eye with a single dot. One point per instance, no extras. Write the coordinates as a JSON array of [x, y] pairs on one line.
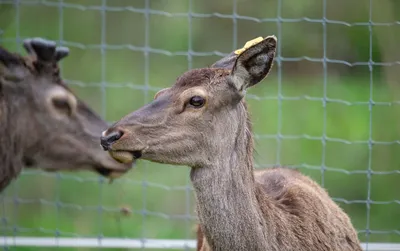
[[197, 101], [62, 105]]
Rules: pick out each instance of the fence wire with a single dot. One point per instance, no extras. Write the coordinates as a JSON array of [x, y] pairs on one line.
[[308, 116]]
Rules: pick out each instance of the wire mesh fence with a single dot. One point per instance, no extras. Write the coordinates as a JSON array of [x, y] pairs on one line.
[[329, 108]]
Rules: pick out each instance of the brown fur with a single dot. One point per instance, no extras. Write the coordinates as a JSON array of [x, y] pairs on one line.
[[34, 131], [275, 209], [294, 196]]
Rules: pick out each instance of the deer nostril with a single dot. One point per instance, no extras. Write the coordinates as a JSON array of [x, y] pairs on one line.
[[107, 140]]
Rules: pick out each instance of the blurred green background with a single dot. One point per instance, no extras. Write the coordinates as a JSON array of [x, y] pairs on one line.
[[145, 48]]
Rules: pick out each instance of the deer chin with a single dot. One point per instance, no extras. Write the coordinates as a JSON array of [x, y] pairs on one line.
[[108, 167], [28, 162], [125, 156], [111, 173], [114, 168]]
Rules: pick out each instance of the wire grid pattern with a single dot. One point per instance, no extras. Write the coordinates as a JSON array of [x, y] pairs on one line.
[[146, 87]]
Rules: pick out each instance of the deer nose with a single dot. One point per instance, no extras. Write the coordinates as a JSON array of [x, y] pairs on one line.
[[107, 139]]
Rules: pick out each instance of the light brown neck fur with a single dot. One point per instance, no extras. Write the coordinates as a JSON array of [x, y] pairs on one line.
[[227, 203], [274, 209]]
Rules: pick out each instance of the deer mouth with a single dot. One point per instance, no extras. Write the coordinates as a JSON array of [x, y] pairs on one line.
[[125, 156], [106, 167], [113, 173], [103, 171], [109, 173], [28, 162]]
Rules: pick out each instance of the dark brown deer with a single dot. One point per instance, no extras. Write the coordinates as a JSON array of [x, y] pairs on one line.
[[42, 123], [202, 122]]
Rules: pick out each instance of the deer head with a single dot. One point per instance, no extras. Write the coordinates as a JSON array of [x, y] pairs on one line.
[[199, 117], [42, 123]]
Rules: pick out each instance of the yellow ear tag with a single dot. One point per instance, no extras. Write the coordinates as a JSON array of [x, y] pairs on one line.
[[249, 44]]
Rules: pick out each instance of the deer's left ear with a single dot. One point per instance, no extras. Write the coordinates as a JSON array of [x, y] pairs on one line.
[[161, 92], [8, 58], [253, 63]]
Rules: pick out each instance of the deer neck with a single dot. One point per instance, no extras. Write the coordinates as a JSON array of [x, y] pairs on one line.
[[227, 206], [10, 149]]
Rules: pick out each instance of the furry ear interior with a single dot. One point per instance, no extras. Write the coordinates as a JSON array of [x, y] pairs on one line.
[[254, 63], [228, 62]]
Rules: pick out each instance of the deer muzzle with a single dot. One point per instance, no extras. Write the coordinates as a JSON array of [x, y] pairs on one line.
[[109, 142], [122, 156], [107, 139]]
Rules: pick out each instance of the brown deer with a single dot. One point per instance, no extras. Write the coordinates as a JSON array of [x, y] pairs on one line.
[[42, 123], [202, 122]]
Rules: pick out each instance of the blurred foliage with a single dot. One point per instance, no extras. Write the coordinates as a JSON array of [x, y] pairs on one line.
[[121, 55]]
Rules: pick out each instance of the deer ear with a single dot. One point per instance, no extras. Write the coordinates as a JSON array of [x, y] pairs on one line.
[[8, 58], [160, 92], [254, 62]]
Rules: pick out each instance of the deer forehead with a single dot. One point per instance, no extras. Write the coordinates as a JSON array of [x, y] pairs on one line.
[[13, 74], [194, 91], [201, 77]]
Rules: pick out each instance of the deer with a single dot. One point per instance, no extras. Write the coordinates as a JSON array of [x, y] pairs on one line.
[[42, 123], [202, 121]]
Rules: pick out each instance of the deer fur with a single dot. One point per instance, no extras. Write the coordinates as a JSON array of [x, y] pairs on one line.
[[275, 209], [42, 123], [295, 194]]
